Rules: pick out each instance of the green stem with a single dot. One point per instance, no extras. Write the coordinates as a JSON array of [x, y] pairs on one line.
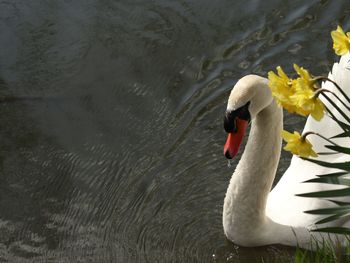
[[335, 84], [335, 119], [303, 137], [337, 108], [321, 91], [327, 153]]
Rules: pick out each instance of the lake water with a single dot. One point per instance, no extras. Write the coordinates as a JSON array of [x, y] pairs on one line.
[[111, 127]]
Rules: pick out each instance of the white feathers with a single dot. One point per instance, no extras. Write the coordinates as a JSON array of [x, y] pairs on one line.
[[252, 216]]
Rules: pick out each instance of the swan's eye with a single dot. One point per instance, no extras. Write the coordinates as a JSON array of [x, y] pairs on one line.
[[243, 112], [231, 116]]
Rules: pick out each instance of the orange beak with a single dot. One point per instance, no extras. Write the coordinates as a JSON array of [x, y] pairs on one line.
[[235, 139]]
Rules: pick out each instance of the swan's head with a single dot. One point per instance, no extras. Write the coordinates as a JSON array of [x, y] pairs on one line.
[[248, 97]]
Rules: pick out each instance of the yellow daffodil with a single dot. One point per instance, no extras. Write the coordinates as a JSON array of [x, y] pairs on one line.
[[298, 145], [318, 110], [282, 88], [307, 104], [305, 78], [304, 96], [296, 95], [341, 41]]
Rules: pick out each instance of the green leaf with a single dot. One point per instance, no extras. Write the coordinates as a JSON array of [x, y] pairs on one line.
[[338, 149], [343, 125], [330, 180], [340, 203], [335, 230], [328, 193], [343, 166], [332, 218], [331, 210], [336, 174], [341, 135], [340, 123]]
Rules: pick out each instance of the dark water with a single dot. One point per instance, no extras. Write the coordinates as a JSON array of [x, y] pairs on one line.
[[113, 153]]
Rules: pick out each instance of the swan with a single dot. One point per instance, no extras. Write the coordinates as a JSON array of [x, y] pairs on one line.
[[253, 215]]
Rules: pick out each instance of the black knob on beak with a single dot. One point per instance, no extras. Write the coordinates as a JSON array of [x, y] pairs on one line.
[[230, 122]]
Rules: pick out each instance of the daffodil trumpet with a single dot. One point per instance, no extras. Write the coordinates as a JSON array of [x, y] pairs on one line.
[[298, 145]]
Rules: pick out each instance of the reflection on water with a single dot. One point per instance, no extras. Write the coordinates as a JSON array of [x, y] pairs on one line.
[[114, 152]]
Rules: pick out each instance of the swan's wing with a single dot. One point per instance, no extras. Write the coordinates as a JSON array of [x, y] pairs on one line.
[[327, 127], [283, 206]]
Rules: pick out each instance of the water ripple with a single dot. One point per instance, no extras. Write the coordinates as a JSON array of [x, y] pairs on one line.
[[119, 156]]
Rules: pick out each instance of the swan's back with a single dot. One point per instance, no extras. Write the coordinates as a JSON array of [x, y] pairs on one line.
[[341, 75], [283, 206]]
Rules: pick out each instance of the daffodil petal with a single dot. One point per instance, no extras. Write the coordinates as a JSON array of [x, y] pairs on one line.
[[341, 41]]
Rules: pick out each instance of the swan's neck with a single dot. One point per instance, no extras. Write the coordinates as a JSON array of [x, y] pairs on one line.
[[246, 196]]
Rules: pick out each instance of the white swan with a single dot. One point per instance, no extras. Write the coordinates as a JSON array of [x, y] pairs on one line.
[[252, 215]]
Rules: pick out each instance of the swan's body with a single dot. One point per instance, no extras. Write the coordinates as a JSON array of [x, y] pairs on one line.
[[252, 214]]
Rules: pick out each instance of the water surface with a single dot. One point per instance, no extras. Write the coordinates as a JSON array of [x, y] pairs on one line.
[[113, 152]]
